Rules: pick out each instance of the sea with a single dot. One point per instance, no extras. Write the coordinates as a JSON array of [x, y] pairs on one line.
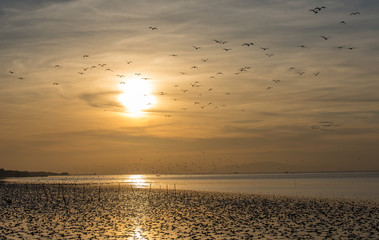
[[340, 185]]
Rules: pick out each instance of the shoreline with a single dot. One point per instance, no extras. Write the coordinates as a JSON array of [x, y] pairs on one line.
[[119, 211]]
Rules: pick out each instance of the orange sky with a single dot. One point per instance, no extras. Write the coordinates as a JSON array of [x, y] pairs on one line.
[[175, 100]]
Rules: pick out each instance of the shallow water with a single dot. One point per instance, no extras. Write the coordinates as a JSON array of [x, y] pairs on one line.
[[350, 185]]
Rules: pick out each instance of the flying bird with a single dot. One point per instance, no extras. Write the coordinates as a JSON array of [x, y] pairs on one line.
[[227, 49], [153, 28], [55, 83], [270, 55], [264, 49], [11, 72], [204, 60], [276, 80], [355, 13], [197, 48], [316, 74], [325, 38], [85, 56]]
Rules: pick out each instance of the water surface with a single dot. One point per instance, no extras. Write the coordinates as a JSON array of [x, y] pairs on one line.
[[356, 185]]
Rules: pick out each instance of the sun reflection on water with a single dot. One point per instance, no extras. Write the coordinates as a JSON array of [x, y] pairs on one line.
[[137, 181]]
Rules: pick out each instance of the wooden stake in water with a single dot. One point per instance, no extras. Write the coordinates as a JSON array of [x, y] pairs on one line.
[[99, 192], [175, 189]]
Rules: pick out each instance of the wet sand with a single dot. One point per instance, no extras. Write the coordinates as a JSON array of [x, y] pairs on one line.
[[51, 211]]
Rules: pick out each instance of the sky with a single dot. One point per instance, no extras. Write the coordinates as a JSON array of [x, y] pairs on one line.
[[189, 86]]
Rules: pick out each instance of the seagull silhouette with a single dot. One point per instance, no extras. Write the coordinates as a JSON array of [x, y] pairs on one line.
[[354, 13]]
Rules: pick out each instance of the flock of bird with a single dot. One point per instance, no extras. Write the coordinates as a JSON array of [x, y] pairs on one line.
[[225, 46]]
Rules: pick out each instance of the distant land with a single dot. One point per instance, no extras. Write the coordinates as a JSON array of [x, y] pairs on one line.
[[15, 173]]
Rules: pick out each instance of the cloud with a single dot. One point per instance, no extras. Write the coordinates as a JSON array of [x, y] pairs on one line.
[[102, 99]]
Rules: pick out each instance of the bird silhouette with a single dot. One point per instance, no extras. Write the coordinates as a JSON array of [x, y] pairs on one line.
[[325, 38], [196, 48], [354, 13], [85, 56], [153, 28], [264, 48]]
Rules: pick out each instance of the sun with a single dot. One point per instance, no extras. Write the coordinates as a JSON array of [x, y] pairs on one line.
[[136, 96]]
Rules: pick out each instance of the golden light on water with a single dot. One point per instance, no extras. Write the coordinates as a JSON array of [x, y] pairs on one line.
[[137, 181], [136, 96]]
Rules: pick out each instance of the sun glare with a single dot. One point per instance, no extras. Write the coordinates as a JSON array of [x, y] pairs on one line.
[[136, 96]]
